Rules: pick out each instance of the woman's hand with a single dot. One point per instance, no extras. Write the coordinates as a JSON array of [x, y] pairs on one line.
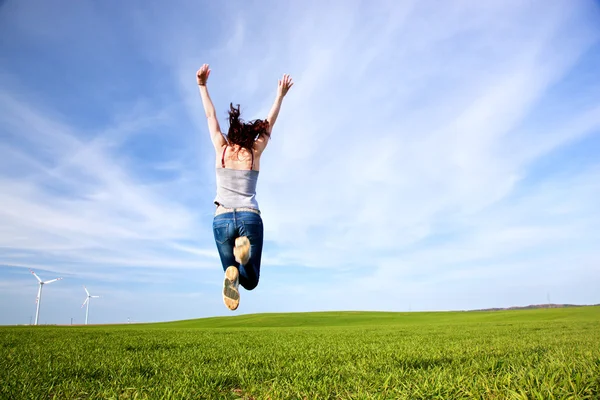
[[202, 75], [285, 84]]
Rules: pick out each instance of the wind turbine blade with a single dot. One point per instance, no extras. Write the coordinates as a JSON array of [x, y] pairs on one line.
[[36, 277], [86, 291], [84, 303], [52, 280], [95, 297]]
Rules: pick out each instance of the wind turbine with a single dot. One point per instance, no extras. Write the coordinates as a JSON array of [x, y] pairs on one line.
[[38, 299], [87, 301]]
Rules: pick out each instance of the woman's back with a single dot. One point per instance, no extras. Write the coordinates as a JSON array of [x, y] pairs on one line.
[[236, 179], [238, 158]]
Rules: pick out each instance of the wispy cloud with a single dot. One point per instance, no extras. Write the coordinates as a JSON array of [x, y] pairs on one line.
[[355, 160], [437, 149], [79, 200]]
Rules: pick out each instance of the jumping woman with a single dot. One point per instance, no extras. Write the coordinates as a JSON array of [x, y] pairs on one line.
[[237, 225]]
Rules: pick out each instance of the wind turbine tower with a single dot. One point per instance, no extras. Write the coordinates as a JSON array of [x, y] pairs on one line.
[[38, 300], [87, 302]]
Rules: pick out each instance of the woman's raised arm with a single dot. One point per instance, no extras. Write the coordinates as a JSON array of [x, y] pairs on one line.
[[209, 109], [283, 86]]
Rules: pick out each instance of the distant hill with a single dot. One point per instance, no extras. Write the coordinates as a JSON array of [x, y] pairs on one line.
[[536, 306]]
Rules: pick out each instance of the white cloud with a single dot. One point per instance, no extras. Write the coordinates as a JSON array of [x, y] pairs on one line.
[[79, 202], [406, 150]]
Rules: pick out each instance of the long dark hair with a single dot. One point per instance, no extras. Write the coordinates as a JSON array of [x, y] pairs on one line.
[[245, 133]]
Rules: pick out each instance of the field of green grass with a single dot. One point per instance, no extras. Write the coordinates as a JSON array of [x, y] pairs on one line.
[[525, 354]]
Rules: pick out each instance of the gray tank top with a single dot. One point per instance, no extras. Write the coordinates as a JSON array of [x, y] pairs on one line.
[[236, 188]]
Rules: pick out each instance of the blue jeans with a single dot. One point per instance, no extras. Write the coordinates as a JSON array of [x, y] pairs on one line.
[[229, 226]]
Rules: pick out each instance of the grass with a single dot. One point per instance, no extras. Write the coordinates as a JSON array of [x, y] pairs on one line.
[[525, 354]]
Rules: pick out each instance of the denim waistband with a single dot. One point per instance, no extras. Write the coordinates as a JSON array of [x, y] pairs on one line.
[[223, 210]]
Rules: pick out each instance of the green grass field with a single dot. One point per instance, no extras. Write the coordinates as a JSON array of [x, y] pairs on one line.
[[527, 354]]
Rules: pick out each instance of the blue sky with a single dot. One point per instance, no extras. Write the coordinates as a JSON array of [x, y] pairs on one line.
[[430, 156]]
